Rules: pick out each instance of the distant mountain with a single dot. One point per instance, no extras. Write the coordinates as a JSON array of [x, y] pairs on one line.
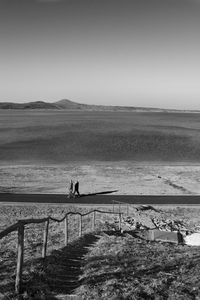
[[66, 104], [28, 105]]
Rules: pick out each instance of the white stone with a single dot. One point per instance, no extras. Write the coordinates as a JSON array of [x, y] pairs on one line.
[[193, 239]]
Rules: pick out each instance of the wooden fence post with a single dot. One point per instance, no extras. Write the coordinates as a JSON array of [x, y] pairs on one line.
[[80, 226], [20, 258], [94, 219], [151, 235], [127, 210], [120, 221], [46, 230], [119, 208], [66, 231], [113, 206]]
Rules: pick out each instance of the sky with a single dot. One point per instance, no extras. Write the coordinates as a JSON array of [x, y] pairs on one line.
[[114, 52]]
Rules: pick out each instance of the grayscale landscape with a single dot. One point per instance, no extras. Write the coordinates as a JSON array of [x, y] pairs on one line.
[[99, 150]]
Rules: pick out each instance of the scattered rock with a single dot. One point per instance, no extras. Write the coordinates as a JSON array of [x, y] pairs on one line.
[[193, 239]]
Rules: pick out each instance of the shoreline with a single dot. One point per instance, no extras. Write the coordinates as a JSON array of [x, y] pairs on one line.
[[40, 164], [128, 178]]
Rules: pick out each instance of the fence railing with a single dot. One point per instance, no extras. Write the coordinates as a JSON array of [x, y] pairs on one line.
[[20, 227], [120, 205]]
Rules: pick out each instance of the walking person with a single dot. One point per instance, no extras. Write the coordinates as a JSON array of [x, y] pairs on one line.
[[76, 188], [71, 185]]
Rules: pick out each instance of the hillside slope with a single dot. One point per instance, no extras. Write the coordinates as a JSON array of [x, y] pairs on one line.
[[66, 104], [28, 105]]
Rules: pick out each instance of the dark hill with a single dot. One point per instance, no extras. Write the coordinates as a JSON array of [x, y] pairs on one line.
[[28, 105], [66, 104]]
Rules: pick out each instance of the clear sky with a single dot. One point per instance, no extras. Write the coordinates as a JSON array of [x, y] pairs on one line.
[[116, 52]]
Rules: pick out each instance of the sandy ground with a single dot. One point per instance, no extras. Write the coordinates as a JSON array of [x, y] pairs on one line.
[[126, 177]]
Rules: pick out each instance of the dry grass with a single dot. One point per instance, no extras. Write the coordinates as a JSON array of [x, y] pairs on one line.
[[118, 267], [33, 239], [123, 267]]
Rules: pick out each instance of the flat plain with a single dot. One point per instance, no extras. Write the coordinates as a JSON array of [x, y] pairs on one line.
[[134, 153]]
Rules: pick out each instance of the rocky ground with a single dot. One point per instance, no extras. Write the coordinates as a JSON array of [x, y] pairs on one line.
[[119, 265]]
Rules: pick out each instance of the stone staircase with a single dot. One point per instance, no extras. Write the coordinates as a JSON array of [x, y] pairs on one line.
[[63, 268]]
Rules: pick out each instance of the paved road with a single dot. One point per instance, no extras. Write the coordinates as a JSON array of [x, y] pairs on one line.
[[100, 199]]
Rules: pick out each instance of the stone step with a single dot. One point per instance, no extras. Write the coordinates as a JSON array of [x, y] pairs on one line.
[[71, 253], [67, 274], [63, 283], [67, 297], [74, 264]]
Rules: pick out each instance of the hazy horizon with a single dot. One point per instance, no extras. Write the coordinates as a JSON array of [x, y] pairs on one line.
[[111, 52]]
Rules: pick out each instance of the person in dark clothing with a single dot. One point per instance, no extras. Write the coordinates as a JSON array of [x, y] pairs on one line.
[[71, 185], [76, 188]]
